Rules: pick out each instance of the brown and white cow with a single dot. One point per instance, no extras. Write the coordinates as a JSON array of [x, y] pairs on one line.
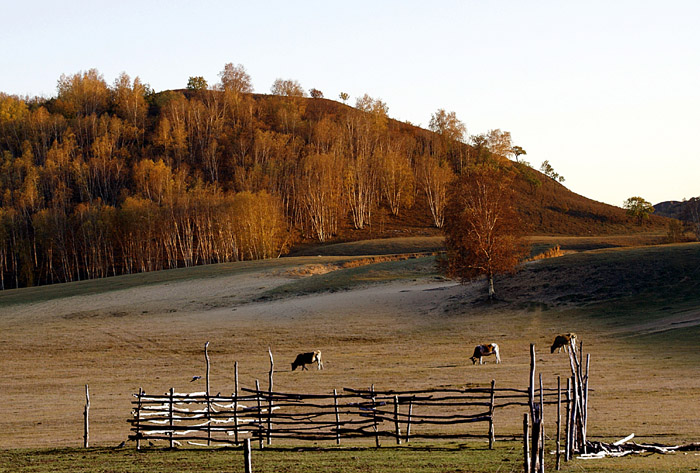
[[565, 341], [304, 359], [485, 350]]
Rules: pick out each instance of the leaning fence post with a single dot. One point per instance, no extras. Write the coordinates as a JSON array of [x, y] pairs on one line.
[[337, 417], [247, 456], [526, 443], [492, 435], [396, 420], [170, 417], [574, 414], [558, 423], [86, 418]]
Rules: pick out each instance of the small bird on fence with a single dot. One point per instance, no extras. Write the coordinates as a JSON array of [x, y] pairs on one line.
[[195, 378]]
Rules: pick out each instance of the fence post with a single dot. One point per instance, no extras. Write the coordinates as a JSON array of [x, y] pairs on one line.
[[337, 417], [535, 452], [541, 453], [206, 356], [567, 435], [574, 414], [247, 456], [558, 423], [492, 434], [374, 415], [531, 391], [269, 410], [258, 394], [526, 443], [86, 418], [585, 404], [408, 420], [235, 402], [396, 420], [138, 420], [170, 416]]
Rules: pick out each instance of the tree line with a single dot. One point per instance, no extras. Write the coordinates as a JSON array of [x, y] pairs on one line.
[[107, 179]]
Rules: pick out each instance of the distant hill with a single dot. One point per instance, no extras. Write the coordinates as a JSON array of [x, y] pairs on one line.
[[670, 209], [105, 179]]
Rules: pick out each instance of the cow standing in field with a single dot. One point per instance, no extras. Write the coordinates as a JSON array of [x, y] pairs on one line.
[[485, 350], [304, 359], [565, 341]]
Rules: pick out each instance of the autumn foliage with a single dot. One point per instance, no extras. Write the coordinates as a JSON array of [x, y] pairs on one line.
[[482, 228], [107, 179]]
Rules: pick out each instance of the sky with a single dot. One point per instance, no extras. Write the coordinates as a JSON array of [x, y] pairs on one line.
[[607, 91]]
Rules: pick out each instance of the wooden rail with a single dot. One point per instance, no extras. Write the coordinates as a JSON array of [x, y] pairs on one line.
[[203, 419]]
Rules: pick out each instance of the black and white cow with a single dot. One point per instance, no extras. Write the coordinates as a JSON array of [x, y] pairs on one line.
[[304, 359], [485, 350]]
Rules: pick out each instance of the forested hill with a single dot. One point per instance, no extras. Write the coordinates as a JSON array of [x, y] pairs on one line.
[[109, 179]]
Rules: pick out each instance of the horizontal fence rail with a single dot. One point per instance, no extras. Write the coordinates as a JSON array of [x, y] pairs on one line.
[[201, 419]]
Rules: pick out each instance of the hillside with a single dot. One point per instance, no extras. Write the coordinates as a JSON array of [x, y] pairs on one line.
[[106, 180], [681, 210]]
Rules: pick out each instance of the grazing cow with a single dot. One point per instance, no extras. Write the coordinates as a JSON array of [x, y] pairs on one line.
[[485, 350], [564, 341], [304, 359]]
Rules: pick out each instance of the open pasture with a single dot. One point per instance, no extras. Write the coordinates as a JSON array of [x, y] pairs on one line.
[[396, 324]]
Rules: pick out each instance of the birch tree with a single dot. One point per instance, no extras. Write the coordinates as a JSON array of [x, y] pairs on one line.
[[482, 228]]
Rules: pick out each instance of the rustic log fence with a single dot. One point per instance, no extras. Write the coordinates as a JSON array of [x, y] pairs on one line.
[[202, 419], [247, 415]]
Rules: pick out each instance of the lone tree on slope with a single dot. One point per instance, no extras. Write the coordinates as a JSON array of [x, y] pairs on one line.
[[638, 208], [482, 229]]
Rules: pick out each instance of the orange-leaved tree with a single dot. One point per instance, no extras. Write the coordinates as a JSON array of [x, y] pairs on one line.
[[482, 229]]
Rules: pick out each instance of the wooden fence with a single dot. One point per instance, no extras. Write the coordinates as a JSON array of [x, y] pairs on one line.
[[202, 419]]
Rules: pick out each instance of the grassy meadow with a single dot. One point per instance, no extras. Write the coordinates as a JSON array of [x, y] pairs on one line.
[[392, 322], [466, 458]]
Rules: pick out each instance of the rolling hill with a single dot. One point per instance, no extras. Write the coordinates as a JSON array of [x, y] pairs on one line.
[[100, 181]]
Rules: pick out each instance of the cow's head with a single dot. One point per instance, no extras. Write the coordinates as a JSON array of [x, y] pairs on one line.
[[474, 359]]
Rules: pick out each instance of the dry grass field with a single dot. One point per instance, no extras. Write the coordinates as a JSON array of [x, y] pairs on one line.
[[395, 324]]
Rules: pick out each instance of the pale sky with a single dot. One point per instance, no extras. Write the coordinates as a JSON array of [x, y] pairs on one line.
[[607, 91]]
